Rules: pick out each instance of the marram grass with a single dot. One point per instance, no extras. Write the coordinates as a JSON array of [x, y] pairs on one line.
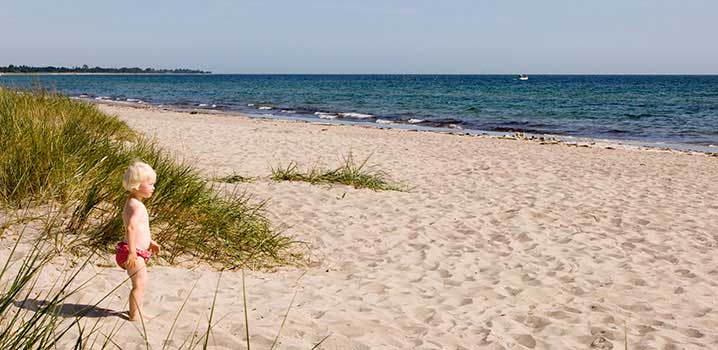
[[77, 154], [348, 173], [234, 178]]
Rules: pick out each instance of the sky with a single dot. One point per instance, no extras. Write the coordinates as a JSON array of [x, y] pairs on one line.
[[367, 36]]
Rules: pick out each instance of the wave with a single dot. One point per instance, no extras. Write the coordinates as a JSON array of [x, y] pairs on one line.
[[325, 115], [356, 115]]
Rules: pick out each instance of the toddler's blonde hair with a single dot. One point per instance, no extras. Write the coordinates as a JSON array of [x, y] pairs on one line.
[[137, 173]]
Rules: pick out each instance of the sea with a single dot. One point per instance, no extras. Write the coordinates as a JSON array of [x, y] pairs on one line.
[[673, 111]]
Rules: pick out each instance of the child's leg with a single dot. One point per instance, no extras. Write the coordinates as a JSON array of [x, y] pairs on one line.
[[138, 275]]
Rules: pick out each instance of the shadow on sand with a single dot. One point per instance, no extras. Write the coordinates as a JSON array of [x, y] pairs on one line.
[[70, 309]]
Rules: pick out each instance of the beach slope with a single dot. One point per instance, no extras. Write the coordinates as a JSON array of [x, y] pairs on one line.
[[498, 244]]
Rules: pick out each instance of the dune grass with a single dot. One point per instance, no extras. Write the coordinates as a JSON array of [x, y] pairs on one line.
[[59, 150], [348, 173], [234, 178]]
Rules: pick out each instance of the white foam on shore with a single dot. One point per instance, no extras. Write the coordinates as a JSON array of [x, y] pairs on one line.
[[250, 104], [325, 115], [454, 126], [356, 115], [202, 105], [132, 100], [415, 121], [289, 111], [265, 108], [384, 121]]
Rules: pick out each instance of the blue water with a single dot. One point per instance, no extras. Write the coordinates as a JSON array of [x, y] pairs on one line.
[[651, 109]]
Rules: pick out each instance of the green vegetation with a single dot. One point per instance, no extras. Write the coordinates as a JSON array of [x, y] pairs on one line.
[[56, 150], [349, 173], [234, 178], [99, 70]]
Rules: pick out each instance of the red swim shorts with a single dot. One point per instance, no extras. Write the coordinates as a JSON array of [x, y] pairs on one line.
[[123, 250]]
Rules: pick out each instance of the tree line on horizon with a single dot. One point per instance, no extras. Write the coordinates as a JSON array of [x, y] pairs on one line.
[[85, 69]]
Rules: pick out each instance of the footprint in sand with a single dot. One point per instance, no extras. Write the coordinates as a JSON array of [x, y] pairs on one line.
[[693, 333], [685, 273], [638, 307], [526, 340], [532, 321], [559, 315]]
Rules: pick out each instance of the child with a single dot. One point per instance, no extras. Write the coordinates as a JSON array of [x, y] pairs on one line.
[[134, 252]]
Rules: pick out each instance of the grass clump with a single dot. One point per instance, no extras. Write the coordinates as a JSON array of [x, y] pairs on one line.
[[234, 178], [292, 173], [348, 173], [72, 153]]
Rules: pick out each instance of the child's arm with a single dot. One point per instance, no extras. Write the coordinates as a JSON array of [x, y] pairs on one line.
[[132, 232]]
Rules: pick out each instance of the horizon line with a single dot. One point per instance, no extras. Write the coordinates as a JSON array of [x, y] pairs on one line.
[[334, 73]]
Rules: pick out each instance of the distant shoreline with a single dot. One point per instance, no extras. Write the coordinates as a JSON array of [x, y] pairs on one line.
[[50, 73], [391, 74]]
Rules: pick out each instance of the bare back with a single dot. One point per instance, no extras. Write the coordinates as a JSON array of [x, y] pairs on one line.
[[136, 219]]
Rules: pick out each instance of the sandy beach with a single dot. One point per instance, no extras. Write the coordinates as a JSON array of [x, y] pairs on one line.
[[498, 244]]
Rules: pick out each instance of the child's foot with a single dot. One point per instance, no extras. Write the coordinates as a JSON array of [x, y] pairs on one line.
[[145, 318]]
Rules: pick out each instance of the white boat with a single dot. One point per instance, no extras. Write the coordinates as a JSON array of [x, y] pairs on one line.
[[523, 77]]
